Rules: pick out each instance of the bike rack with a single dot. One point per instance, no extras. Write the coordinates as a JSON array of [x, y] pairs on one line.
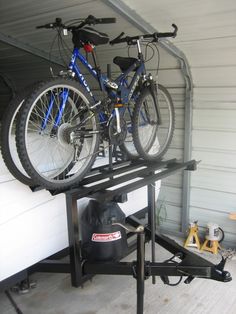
[[98, 186]]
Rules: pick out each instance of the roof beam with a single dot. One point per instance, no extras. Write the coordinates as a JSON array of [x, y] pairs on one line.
[[26, 47]]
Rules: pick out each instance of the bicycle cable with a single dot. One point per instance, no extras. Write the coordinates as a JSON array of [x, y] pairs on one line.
[[59, 39], [149, 44], [158, 58], [51, 47], [65, 47]]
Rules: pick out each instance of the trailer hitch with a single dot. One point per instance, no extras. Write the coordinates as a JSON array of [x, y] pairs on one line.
[[218, 272]]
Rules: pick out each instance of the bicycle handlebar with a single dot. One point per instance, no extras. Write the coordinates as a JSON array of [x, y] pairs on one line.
[[106, 20], [155, 36], [90, 20]]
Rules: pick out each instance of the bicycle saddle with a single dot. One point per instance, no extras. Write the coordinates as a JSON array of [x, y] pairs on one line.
[[124, 62]]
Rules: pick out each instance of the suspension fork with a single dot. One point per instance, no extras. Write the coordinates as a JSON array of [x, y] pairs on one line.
[[153, 89], [64, 96]]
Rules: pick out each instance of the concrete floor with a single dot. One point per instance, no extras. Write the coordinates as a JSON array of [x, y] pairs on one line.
[[117, 294]]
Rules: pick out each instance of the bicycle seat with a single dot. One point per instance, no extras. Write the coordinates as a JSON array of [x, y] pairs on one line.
[[124, 62]]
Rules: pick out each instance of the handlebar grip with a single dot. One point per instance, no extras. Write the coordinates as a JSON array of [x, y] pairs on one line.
[[175, 30], [168, 34], [49, 25], [106, 20], [57, 23]]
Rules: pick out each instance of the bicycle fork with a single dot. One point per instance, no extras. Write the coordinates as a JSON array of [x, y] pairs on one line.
[[154, 93]]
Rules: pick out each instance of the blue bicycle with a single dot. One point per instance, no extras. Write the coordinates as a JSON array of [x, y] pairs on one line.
[[61, 123]]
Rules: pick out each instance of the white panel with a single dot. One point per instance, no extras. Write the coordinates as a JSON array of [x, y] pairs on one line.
[[173, 180], [214, 180], [213, 94], [214, 52], [31, 235], [171, 195], [170, 217], [174, 153], [221, 76], [219, 120], [171, 78], [213, 200], [177, 141], [217, 160], [17, 198], [214, 140]]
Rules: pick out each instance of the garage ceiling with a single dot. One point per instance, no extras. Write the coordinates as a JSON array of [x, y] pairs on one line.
[[21, 44], [205, 27]]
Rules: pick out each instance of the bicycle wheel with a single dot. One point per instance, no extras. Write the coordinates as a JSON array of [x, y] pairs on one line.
[[8, 133], [152, 137], [52, 154]]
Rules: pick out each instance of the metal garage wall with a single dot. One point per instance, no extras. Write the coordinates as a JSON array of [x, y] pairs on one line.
[[213, 186], [207, 37]]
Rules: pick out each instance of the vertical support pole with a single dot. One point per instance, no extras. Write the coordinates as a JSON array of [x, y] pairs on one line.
[[188, 112], [152, 220], [74, 245], [140, 271], [110, 152]]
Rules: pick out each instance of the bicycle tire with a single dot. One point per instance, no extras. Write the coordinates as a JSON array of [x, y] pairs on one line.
[[8, 144], [55, 164], [149, 138]]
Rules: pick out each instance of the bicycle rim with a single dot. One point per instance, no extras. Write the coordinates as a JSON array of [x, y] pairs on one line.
[[152, 137], [57, 156]]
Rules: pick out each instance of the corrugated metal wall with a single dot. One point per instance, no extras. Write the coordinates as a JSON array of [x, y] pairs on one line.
[[207, 37]]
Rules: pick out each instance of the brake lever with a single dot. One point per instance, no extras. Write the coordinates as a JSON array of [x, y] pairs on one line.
[[113, 41]]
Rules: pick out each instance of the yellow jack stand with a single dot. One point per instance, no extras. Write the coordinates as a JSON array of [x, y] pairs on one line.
[[192, 239], [211, 246]]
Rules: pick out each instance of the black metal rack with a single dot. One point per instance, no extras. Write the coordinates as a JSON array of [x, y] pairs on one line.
[[103, 183], [113, 183]]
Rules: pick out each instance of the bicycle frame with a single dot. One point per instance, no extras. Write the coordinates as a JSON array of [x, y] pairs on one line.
[[124, 89], [126, 92]]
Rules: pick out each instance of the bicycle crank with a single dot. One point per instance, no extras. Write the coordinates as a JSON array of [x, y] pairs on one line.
[[117, 130]]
